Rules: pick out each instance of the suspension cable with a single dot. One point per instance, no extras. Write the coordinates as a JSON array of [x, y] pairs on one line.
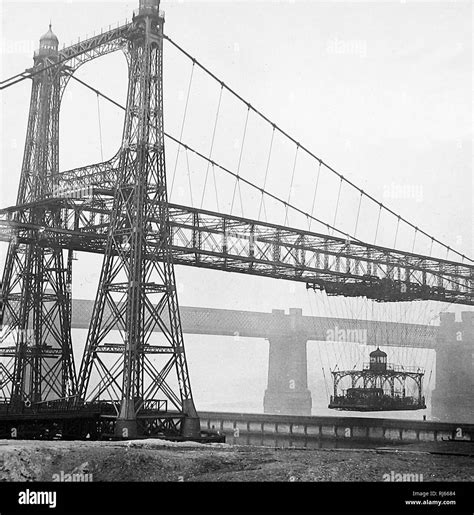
[[311, 154], [226, 170], [29, 74], [252, 185], [4, 84]]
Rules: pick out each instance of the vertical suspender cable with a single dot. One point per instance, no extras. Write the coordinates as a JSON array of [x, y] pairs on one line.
[[266, 175], [337, 205], [396, 234], [240, 161], [358, 213], [215, 186], [315, 192], [291, 184], [377, 228], [189, 178], [182, 128], [100, 128], [414, 240], [211, 149]]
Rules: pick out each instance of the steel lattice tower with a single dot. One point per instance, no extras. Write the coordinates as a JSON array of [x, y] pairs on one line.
[[36, 300], [137, 287]]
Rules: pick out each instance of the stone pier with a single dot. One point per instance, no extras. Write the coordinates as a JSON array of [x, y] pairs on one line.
[[453, 397], [287, 392]]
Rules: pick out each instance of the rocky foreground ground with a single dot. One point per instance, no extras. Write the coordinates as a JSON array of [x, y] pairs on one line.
[[156, 460]]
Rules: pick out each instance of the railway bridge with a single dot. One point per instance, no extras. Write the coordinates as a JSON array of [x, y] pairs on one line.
[[289, 333]]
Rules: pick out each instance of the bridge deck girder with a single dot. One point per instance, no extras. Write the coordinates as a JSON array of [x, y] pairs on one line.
[[218, 241]]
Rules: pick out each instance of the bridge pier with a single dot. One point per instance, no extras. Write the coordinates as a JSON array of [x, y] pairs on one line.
[[453, 398], [287, 391]]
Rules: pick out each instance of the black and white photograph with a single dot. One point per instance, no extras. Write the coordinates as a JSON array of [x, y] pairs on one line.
[[236, 256]]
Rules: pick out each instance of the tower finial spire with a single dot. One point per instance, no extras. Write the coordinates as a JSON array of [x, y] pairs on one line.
[[49, 41]]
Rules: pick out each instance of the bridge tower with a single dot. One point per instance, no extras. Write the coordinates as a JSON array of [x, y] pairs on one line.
[[452, 399], [136, 294], [35, 291]]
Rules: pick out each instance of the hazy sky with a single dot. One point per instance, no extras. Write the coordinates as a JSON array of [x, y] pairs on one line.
[[380, 90]]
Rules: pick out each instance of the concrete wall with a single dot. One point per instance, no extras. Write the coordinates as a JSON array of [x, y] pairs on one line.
[[314, 432]]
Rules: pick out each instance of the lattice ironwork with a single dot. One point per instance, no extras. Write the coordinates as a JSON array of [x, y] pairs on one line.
[[223, 242], [35, 297], [137, 291], [36, 282]]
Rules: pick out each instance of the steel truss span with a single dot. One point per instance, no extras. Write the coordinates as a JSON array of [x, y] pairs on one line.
[[222, 242]]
